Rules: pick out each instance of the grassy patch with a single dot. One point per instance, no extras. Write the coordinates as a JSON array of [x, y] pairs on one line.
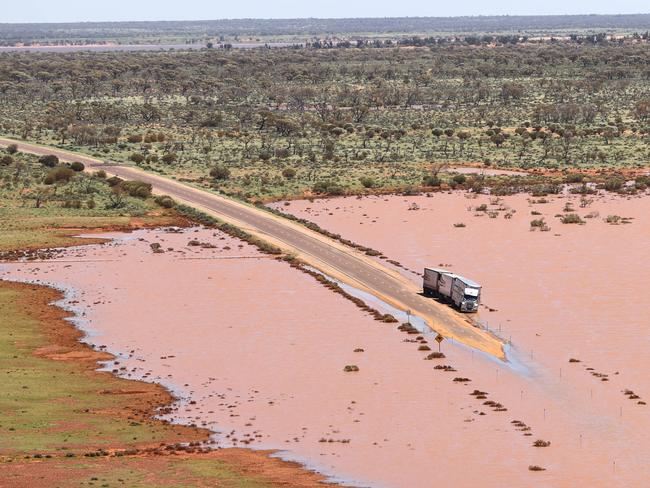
[[56, 406]]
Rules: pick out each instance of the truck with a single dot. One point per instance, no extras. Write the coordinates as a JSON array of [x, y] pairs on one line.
[[461, 292]]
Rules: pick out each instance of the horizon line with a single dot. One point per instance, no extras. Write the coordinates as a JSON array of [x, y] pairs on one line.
[[477, 16]]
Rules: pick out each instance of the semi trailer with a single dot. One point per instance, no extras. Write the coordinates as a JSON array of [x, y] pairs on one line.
[[461, 292]]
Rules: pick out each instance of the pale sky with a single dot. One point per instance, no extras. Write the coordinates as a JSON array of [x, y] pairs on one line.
[[106, 10]]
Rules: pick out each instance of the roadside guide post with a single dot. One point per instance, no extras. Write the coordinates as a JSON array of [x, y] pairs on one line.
[[408, 315]]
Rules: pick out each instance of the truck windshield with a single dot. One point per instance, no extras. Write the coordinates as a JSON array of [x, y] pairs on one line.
[[470, 298]]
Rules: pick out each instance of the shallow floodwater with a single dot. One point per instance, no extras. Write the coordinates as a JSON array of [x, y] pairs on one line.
[[256, 351], [575, 291]]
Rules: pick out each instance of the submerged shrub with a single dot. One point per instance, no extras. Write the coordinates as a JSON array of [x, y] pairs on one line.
[[571, 218], [614, 184]]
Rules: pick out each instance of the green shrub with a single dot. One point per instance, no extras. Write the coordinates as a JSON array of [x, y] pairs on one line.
[[613, 184], [613, 219], [571, 218], [137, 189], [49, 160], [6, 160], [289, 173], [431, 180], [574, 178], [367, 182], [12, 148], [165, 201], [113, 181], [327, 188], [76, 166], [169, 158], [76, 204], [537, 223], [220, 172], [459, 179], [58, 174], [137, 158]]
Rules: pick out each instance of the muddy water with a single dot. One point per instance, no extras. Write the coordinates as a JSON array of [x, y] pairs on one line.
[[576, 291], [256, 349]]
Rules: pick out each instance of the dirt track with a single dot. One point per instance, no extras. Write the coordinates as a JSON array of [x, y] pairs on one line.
[[341, 262]]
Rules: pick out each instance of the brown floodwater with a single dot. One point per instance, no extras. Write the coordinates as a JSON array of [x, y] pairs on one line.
[[575, 291], [255, 349]]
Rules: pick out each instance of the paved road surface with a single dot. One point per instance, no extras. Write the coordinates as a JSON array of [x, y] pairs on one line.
[[331, 257]]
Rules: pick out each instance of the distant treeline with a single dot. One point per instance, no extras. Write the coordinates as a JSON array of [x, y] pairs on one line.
[[11, 34], [471, 40]]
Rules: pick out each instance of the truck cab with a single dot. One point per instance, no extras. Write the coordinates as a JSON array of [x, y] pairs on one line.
[[470, 300]]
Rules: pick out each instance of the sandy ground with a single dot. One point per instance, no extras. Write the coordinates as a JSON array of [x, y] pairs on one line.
[[260, 347]]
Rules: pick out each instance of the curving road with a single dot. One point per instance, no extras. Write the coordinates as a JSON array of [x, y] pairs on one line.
[[331, 257]]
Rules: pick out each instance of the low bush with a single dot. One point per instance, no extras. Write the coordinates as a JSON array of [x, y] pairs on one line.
[[220, 172], [138, 189], [459, 179], [613, 184], [571, 218], [113, 181], [537, 223], [137, 158], [327, 188], [574, 178], [289, 173], [431, 180], [367, 182], [58, 174], [49, 160], [165, 201], [77, 166]]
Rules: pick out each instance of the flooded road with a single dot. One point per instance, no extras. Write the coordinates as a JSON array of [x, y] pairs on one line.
[[256, 350], [574, 291]]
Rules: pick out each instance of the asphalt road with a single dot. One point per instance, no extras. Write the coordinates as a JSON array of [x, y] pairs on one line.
[[349, 265]]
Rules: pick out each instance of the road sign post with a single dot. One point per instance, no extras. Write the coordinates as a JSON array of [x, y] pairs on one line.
[[439, 339]]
